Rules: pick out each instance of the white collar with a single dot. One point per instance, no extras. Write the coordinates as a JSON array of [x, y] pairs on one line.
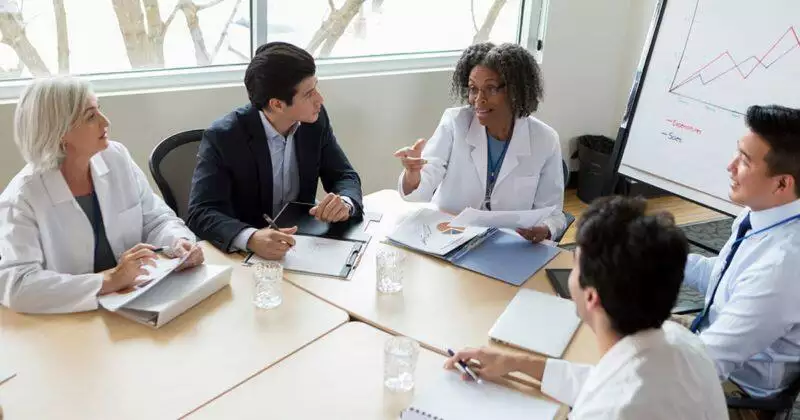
[[765, 218], [270, 130]]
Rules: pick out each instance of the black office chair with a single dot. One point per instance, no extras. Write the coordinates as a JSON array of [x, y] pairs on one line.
[[780, 404], [172, 165], [570, 218]]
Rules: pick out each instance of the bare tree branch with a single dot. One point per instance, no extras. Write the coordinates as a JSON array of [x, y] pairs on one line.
[[207, 5], [190, 9], [238, 54], [13, 30], [142, 51], [224, 33], [172, 16], [333, 27], [62, 36], [491, 17], [332, 6]]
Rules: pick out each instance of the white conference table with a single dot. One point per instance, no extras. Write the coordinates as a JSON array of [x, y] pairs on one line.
[[98, 365]]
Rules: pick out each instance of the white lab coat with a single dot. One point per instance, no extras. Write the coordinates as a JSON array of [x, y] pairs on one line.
[[454, 178], [47, 241], [656, 374]]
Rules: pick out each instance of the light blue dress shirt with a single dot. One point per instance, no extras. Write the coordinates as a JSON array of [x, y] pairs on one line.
[[753, 328], [285, 175]]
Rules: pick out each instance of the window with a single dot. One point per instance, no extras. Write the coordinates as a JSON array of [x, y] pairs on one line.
[[357, 28], [42, 37], [122, 38]]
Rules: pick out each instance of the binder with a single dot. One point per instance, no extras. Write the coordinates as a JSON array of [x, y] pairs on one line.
[[497, 253]]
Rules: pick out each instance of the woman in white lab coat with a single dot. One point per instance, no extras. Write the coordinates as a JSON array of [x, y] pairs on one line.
[[491, 154], [80, 219]]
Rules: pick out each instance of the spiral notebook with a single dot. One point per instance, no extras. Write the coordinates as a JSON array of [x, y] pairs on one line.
[[451, 398]]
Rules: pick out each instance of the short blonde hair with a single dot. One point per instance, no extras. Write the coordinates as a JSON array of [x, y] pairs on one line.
[[46, 111]]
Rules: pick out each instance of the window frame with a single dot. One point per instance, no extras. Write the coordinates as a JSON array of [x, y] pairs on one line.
[[530, 34]]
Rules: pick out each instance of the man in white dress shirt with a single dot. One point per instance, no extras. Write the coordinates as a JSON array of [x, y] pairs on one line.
[[751, 321], [626, 278]]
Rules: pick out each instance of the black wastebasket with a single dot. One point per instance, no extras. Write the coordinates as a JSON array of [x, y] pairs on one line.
[[594, 155]]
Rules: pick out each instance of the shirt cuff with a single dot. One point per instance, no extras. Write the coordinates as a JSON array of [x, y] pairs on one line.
[[240, 241], [554, 230], [557, 381], [349, 202]]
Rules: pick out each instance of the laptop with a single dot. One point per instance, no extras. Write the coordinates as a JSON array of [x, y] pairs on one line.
[[537, 322]]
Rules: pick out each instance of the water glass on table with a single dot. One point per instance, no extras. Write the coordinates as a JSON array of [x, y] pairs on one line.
[[400, 360], [268, 276], [389, 270]]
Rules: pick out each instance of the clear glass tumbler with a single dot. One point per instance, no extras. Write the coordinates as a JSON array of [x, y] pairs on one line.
[[268, 278], [389, 269], [400, 361]]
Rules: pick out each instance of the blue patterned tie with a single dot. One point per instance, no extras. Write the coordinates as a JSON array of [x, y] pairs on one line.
[[743, 228]]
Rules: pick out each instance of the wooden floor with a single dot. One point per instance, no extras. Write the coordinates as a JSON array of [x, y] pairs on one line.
[[684, 211]]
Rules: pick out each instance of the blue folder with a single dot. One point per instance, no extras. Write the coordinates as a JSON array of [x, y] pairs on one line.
[[503, 256]]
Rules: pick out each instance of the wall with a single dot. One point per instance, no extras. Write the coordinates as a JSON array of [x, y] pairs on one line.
[[588, 57]]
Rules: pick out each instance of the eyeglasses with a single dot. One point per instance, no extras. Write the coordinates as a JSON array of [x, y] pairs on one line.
[[488, 91]]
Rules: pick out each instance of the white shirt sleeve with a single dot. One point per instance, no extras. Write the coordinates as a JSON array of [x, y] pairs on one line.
[[563, 380], [550, 191], [437, 153], [753, 317], [697, 273], [25, 286], [240, 241]]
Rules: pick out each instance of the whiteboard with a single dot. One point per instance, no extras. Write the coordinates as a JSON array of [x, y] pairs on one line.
[[710, 60]]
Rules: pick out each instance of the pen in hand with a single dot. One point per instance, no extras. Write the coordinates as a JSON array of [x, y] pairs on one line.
[[270, 222], [462, 366]]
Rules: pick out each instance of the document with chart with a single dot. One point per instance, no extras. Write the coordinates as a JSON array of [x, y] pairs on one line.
[[497, 253], [429, 231]]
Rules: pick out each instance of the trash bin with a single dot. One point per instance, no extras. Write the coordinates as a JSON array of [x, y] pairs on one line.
[[594, 155]]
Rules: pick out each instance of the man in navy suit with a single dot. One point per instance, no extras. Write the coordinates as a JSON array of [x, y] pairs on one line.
[[268, 153]]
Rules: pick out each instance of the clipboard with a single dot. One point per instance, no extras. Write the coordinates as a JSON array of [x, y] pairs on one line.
[[339, 260]]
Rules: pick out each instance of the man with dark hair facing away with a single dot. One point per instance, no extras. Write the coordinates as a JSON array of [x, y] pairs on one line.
[[627, 274]]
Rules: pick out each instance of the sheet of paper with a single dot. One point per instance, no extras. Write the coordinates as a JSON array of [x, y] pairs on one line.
[[163, 268], [502, 219], [312, 254], [449, 397], [430, 231]]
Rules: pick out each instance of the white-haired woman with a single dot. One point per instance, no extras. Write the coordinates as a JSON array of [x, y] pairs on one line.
[[80, 219]]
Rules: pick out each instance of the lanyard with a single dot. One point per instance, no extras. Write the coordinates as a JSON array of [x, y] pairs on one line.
[[782, 222], [729, 260], [493, 167]]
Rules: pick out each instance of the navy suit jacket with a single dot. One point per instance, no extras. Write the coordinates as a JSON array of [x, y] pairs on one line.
[[232, 182]]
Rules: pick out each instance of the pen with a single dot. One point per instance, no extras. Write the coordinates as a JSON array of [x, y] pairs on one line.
[[460, 365], [270, 222], [162, 249]]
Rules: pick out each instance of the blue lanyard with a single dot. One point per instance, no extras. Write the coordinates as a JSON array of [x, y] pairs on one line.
[[782, 222], [494, 165]]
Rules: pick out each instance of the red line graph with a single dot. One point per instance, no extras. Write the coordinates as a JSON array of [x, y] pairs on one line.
[[760, 62]]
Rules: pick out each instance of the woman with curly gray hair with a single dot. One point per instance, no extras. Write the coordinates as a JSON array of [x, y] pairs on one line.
[[491, 154]]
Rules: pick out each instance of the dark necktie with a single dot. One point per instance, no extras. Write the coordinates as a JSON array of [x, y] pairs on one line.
[[743, 228]]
